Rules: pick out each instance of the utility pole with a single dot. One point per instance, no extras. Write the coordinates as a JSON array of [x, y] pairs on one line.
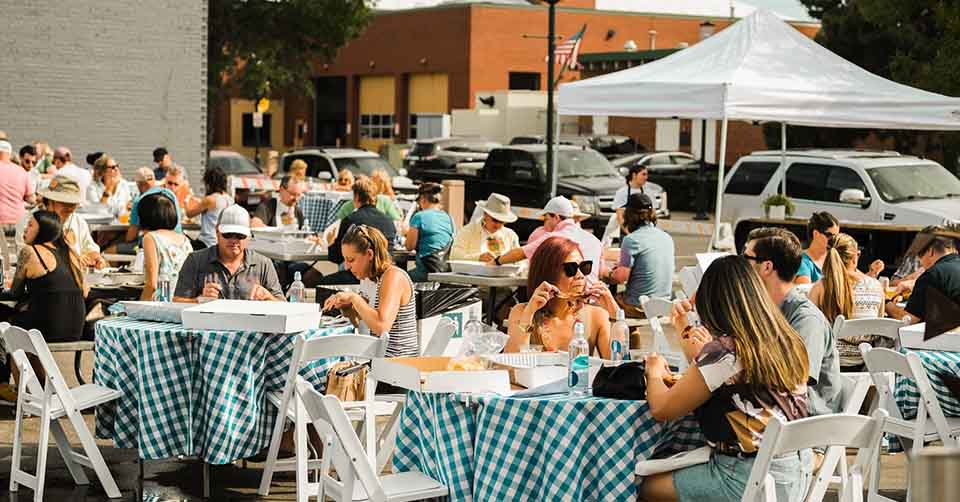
[[551, 48]]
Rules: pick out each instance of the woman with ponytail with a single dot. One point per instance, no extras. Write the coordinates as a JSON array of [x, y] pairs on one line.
[[430, 234], [845, 290]]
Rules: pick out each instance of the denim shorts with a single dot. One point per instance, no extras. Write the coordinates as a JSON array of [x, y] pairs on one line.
[[725, 477]]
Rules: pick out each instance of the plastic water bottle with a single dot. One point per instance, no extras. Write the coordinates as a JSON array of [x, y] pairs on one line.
[[620, 338], [578, 365], [473, 329], [162, 294], [306, 225], [297, 291]]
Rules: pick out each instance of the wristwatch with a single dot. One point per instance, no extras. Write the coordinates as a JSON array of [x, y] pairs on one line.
[[497, 261]]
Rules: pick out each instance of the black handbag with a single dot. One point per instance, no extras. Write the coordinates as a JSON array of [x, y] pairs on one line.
[[625, 381]]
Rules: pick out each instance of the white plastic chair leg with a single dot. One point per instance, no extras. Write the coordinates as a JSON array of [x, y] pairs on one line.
[[268, 468], [388, 438], [93, 453], [300, 440], [42, 446], [66, 452], [17, 445]]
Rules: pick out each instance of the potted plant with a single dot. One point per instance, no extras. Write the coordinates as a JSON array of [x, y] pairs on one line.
[[778, 206]]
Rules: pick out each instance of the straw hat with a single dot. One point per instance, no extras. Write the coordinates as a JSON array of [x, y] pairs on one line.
[[498, 207], [62, 189]]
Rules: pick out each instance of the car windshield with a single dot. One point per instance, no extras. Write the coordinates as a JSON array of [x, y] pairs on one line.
[[585, 163], [422, 149], [234, 165], [364, 165], [914, 182]]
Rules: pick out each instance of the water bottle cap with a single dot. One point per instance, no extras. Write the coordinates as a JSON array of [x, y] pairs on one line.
[[621, 315], [296, 276]]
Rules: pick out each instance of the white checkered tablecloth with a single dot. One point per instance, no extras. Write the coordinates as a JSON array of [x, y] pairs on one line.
[[188, 392], [548, 448], [936, 363], [320, 210]]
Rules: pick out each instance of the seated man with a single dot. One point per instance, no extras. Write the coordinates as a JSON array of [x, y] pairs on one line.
[[488, 238], [937, 250], [176, 182], [281, 210], [145, 179], [646, 256], [63, 197], [228, 270], [364, 198]]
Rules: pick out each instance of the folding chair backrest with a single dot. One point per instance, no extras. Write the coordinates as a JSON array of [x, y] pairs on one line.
[[359, 346], [844, 329], [329, 418], [20, 342], [845, 430], [446, 328], [656, 307]]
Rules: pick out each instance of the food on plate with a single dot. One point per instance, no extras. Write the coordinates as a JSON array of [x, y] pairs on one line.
[[471, 363]]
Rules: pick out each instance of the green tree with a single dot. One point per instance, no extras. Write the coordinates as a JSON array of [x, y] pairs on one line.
[[913, 42], [264, 48]]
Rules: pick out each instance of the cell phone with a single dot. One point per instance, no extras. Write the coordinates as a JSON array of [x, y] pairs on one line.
[[693, 320]]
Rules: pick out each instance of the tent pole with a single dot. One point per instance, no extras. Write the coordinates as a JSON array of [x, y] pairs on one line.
[[720, 163], [783, 156]]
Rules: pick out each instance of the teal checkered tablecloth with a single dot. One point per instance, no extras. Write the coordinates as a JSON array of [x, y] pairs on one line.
[[936, 363], [193, 393], [320, 209], [549, 448]]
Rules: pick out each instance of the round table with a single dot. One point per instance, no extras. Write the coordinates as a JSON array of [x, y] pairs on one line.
[[193, 393]]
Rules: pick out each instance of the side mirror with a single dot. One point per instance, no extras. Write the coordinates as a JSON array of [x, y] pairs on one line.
[[324, 176], [623, 170], [854, 196]]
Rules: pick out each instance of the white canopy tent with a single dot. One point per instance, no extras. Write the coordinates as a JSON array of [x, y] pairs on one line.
[[760, 69]]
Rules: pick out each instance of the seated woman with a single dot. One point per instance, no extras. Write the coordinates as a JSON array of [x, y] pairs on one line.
[[394, 310], [558, 280], [747, 366], [384, 183], [430, 234], [384, 203], [164, 250], [108, 186], [210, 206], [646, 256], [344, 181], [48, 285], [298, 170], [845, 290]]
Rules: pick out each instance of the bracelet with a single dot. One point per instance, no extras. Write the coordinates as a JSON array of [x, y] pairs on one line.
[[497, 261]]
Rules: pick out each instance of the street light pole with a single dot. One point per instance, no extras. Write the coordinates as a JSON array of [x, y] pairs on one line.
[[551, 47]]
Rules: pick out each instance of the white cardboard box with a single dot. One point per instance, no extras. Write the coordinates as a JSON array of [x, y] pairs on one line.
[[429, 374], [911, 337], [461, 315], [251, 316]]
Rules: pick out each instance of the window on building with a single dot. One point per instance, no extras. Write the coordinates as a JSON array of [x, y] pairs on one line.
[[250, 133], [524, 81], [413, 126], [376, 126]]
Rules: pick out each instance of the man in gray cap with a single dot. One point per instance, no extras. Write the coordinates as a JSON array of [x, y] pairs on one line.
[[488, 238]]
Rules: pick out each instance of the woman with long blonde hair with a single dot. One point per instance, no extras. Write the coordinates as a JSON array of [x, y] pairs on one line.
[[845, 290], [747, 366]]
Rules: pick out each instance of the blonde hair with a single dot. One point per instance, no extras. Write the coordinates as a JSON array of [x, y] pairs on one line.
[[347, 176], [384, 185], [364, 238], [100, 166], [732, 301], [298, 169], [837, 280]]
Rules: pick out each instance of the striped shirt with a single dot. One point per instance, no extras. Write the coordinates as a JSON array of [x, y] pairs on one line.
[[404, 340]]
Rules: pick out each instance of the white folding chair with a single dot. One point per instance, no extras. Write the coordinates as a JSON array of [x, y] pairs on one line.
[[852, 395], [837, 430], [290, 406], [919, 431], [847, 329], [655, 308], [356, 479], [437, 344], [52, 400]]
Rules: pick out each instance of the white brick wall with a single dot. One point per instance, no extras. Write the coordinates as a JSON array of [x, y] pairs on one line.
[[121, 76]]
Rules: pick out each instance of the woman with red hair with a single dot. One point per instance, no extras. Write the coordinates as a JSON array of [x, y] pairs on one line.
[[558, 281]]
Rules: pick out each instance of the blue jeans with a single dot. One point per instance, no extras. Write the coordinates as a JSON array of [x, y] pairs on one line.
[[724, 478]]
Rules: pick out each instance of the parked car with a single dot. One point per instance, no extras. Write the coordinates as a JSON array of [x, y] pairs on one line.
[[446, 153], [540, 139], [519, 172], [323, 164], [235, 164], [854, 186], [676, 172]]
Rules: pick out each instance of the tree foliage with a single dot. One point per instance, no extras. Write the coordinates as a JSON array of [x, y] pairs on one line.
[[914, 42], [264, 47]]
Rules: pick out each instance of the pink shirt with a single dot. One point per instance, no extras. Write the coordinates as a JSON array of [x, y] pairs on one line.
[[537, 234], [14, 186], [590, 246]]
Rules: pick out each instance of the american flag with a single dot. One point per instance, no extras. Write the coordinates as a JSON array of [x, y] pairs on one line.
[[566, 52]]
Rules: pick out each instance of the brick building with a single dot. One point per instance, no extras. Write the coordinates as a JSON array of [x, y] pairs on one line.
[[107, 75], [415, 62]]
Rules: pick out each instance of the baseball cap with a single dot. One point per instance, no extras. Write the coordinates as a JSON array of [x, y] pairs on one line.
[[234, 220], [639, 201], [62, 152], [144, 174], [559, 206], [6, 147]]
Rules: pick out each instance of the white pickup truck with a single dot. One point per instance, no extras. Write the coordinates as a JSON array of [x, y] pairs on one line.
[[855, 186]]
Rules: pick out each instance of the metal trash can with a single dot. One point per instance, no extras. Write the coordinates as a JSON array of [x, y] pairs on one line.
[[934, 474]]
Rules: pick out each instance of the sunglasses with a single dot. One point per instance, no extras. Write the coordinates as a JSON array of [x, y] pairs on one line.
[[113, 166], [757, 259], [360, 230], [570, 268], [234, 237]]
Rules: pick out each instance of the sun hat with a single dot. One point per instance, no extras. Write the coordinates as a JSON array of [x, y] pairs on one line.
[[498, 207], [62, 189], [234, 220], [559, 206]]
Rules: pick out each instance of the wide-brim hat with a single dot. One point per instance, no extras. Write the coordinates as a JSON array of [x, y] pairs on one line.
[[62, 189], [498, 207]]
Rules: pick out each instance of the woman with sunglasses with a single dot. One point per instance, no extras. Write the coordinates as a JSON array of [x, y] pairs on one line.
[[747, 366], [845, 290], [394, 308], [559, 284], [108, 186]]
